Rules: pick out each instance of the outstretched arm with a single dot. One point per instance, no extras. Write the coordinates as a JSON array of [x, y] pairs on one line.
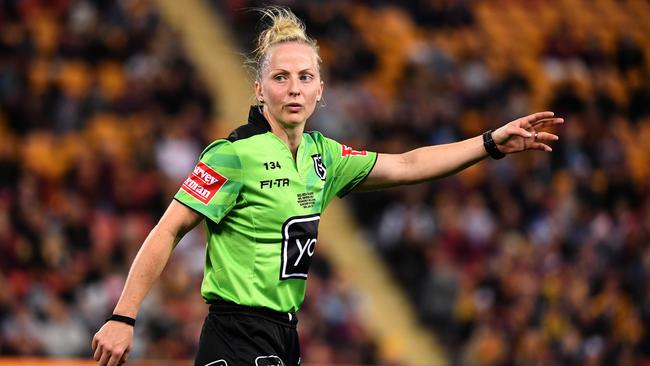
[[438, 161], [112, 343]]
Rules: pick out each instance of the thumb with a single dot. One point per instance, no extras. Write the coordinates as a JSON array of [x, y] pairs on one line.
[[518, 131]]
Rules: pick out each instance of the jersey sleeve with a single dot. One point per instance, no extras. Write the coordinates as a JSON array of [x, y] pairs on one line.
[[213, 186], [349, 167]]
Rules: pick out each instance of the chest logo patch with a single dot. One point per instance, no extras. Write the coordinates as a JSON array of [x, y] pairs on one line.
[[299, 236], [203, 183], [319, 167]]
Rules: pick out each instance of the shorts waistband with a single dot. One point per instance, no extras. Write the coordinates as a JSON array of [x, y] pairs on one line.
[[220, 306]]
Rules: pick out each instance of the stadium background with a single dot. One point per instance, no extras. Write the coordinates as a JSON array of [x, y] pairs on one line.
[[536, 259]]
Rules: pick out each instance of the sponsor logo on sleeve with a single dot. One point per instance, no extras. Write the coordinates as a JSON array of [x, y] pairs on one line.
[[203, 183], [348, 151]]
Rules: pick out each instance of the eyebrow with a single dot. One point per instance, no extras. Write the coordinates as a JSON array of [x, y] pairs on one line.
[[287, 71]]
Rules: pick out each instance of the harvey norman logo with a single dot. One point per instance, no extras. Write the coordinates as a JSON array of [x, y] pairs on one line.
[[203, 183], [348, 151]]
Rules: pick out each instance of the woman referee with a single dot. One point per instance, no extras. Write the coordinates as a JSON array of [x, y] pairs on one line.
[[260, 193]]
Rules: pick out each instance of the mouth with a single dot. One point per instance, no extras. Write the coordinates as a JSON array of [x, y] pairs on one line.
[[294, 107]]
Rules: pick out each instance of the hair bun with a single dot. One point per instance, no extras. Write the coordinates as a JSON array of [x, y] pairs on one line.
[[282, 25]]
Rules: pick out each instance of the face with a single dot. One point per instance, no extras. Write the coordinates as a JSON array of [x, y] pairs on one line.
[[290, 83]]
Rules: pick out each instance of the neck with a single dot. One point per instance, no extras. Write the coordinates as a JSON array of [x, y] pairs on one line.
[[290, 134]]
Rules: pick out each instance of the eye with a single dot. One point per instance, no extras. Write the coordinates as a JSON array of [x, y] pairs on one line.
[[280, 77], [306, 77]]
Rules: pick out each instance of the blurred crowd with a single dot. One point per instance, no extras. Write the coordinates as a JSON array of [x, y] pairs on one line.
[[537, 259], [102, 116]]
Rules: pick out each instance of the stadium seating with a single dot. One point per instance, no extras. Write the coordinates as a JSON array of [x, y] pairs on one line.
[[537, 259], [102, 116]]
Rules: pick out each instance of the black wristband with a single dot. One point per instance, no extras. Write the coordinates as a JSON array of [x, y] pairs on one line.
[[491, 146], [122, 319]]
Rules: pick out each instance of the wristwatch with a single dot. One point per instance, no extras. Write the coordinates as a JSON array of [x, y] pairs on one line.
[[491, 146]]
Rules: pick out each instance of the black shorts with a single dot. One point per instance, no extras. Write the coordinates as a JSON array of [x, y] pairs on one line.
[[236, 335]]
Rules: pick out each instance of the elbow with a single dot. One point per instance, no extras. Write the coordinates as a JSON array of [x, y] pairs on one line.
[[164, 234], [408, 171]]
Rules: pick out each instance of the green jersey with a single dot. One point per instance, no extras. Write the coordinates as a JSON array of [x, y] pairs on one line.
[[262, 210]]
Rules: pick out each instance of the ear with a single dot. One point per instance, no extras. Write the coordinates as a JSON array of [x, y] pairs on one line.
[[258, 92], [320, 92]]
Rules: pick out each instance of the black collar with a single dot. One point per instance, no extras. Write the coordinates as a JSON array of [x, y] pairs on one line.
[[256, 118], [257, 124]]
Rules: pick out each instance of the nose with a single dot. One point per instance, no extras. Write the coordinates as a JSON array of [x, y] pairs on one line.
[[294, 87]]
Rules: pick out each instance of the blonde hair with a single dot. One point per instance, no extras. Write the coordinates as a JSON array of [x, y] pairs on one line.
[[282, 26]]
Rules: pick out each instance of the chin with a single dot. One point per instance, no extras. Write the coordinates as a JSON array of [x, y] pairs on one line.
[[295, 119]]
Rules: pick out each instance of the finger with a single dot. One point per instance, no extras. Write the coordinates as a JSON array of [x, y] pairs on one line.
[[545, 136], [125, 357], [94, 343], [103, 361], [115, 358], [518, 131], [539, 115], [98, 353], [532, 118], [548, 122], [540, 146]]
